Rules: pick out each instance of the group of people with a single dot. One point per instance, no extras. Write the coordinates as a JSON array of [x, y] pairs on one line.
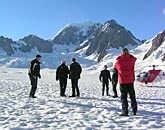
[[123, 71], [74, 74], [105, 76], [62, 73]]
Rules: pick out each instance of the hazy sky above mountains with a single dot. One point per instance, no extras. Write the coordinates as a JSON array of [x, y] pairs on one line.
[[44, 18]]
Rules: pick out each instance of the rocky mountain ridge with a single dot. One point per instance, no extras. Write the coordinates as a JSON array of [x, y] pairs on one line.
[[95, 37]]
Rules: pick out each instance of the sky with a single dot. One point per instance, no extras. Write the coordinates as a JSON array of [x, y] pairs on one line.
[[44, 18]]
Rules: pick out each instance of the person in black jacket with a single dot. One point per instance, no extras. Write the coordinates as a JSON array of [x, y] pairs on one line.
[[114, 82], [34, 74], [104, 77], [62, 75], [75, 71]]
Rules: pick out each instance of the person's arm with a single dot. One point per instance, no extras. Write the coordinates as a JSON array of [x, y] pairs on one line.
[[68, 70], [110, 76], [80, 68], [116, 76], [57, 73], [71, 69], [30, 69], [100, 77], [36, 69], [133, 58]]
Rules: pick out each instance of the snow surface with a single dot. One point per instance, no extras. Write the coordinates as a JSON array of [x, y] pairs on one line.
[[84, 27], [49, 60], [89, 112]]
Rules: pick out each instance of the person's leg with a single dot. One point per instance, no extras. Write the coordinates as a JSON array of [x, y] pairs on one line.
[[123, 89], [77, 88], [61, 88], [131, 92], [114, 90], [31, 82], [107, 89], [34, 86], [64, 87], [103, 89], [73, 87]]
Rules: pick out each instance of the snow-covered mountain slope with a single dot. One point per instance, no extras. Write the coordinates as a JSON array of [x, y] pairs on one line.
[[49, 60], [89, 112], [155, 58], [156, 55], [87, 42], [75, 33], [66, 52], [109, 35]]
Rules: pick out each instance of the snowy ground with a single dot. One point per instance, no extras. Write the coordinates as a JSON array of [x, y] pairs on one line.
[[89, 112]]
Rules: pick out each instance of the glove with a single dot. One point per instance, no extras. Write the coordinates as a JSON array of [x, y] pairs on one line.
[[113, 83], [35, 77], [39, 76]]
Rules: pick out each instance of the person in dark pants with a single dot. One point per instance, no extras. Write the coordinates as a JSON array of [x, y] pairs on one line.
[[62, 75], [74, 75], [114, 82], [125, 90], [104, 77], [125, 66], [34, 74]]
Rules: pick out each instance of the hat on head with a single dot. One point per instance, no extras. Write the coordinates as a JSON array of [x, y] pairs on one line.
[[63, 62], [73, 59], [38, 56]]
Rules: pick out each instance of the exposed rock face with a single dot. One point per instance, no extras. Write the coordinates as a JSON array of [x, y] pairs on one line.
[[75, 33], [31, 41], [94, 38], [6, 45], [156, 43], [109, 35]]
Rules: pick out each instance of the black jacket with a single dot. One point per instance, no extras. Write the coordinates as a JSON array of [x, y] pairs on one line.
[[62, 72], [115, 76], [75, 71], [34, 69], [105, 76]]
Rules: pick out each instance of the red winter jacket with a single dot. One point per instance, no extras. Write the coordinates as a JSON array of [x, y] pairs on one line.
[[125, 66]]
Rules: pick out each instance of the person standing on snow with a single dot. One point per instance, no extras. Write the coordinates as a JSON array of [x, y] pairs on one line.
[[114, 82], [74, 75], [104, 77], [125, 66], [34, 74], [62, 75]]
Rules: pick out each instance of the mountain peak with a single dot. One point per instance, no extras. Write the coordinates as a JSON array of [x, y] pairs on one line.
[[31, 36], [80, 25], [110, 35], [112, 21], [75, 33], [157, 41]]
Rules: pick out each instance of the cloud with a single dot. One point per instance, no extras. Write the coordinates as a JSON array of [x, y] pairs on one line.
[[163, 11]]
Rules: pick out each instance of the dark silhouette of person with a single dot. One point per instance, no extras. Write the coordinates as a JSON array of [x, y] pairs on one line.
[[104, 77], [34, 74], [62, 75], [114, 82], [74, 75], [125, 66]]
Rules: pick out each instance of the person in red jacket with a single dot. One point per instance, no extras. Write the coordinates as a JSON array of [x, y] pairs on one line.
[[125, 66]]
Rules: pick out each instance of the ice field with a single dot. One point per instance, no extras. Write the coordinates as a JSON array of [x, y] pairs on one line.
[[91, 111]]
